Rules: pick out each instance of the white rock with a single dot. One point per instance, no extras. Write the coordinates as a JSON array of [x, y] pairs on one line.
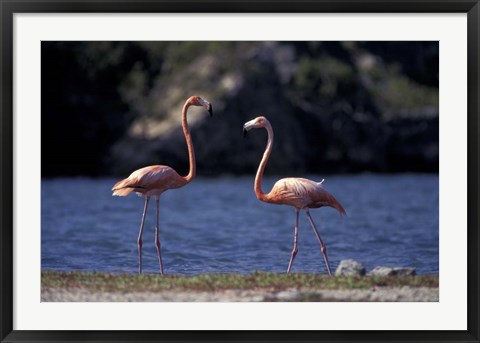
[[399, 271], [350, 267]]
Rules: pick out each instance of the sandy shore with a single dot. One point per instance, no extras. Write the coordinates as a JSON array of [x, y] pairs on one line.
[[376, 294]]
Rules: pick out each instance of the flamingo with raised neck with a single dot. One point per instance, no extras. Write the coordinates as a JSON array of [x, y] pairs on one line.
[[154, 180]]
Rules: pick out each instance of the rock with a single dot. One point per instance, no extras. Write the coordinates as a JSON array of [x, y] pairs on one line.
[[398, 271], [350, 267]]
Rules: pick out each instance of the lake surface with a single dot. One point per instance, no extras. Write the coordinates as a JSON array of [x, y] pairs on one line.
[[218, 226]]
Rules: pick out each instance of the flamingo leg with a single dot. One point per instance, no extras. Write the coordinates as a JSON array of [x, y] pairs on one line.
[[322, 246], [157, 240], [140, 232], [295, 247]]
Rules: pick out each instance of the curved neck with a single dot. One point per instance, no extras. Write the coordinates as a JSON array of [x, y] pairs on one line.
[[258, 178], [188, 138]]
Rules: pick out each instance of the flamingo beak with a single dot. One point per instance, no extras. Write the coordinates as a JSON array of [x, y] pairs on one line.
[[210, 110], [247, 127], [207, 105]]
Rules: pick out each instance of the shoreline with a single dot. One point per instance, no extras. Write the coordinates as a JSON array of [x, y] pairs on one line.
[[255, 287]]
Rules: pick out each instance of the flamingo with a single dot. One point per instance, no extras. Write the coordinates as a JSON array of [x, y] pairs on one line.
[[300, 193], [154, 180]]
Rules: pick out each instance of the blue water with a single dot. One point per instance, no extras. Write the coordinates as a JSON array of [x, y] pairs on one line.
[[218, 226]]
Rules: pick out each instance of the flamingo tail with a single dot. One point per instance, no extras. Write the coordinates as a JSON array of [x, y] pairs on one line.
[[122, 188], [331, 201], [339, 208]]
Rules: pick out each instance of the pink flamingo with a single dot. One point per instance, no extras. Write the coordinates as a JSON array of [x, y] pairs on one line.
[[154, 180], [300, 193]]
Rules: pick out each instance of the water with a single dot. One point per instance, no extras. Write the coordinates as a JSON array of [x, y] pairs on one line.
[[218, 226]]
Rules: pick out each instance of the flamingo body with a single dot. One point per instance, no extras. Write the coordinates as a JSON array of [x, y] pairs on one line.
[[149, 181], [302, 193]]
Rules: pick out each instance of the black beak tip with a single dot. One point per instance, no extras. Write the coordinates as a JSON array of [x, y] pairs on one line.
[[244, 132], [210, 110]]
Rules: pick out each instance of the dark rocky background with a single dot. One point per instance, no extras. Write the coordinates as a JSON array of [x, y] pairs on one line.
[[336, 107]]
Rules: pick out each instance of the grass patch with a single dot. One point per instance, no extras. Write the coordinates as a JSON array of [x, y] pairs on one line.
[[105, 282]]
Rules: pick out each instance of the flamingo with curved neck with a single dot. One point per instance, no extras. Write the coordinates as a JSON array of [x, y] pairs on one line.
[[300, 193], [191, 151], [154, 180]]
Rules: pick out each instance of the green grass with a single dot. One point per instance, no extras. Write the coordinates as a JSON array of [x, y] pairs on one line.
[[105, 282]]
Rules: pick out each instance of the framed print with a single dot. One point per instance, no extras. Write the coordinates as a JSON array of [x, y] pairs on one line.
[[359, 118]]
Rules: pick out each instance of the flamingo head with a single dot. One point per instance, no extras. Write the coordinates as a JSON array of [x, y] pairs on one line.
[[198, 101], [256, 123]]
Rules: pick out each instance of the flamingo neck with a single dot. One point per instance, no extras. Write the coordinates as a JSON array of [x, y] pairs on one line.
[[188, 138], [261, 168]]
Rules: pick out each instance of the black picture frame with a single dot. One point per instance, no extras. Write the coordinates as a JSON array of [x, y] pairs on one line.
[[9, 8]]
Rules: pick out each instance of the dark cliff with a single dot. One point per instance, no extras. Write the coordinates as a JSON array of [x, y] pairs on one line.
[[111, 107]]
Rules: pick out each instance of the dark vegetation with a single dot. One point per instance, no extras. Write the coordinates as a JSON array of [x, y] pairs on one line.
[[111, 107]]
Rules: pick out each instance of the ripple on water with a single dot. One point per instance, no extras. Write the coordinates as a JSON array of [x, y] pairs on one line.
[[217, 225]]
